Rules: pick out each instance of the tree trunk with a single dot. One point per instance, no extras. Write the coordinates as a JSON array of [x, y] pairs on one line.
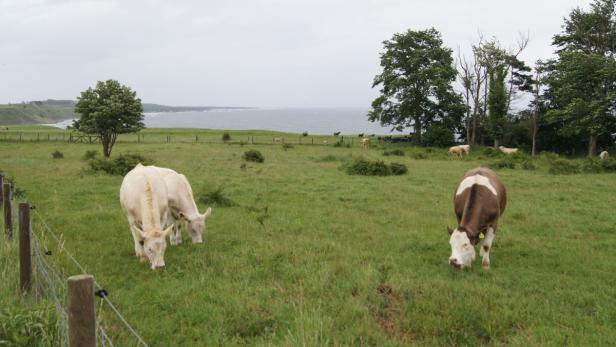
[[418, 130], [535, 131], [592, 146], [495, 143]]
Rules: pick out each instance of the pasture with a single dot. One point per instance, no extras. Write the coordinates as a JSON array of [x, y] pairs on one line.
[[309, 255]]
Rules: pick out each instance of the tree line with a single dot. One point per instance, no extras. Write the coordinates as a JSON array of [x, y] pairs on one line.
[[572, 97]]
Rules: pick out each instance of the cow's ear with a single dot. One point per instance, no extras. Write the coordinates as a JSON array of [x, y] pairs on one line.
[[449, 230], [140, 232], [167, 231], [207, 213]]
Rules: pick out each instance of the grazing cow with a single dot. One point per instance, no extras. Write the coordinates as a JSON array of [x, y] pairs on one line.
[[460, 150], [182, 206], [507, 150], [365, 142], [604, 155], [479, 201], [143, 196]]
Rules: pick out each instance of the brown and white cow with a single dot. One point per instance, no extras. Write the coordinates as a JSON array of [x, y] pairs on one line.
[[604, 155], [507, 150], [365, 142], [479, 201], [143, 196]]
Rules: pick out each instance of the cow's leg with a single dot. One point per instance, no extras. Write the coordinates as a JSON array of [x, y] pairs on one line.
[[176, 234], [139, 251], [485, 248]]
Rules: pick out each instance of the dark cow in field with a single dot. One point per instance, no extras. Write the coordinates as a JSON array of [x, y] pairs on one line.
[[479, 201]]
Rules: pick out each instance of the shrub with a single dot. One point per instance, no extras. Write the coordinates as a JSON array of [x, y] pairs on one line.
[[342, 144], [438, 136], [398, 169], [396, 152], [305, 133], [254, 155], [226, 137], [505, 163], [492, 152], [592, 165], [609, 165], [216, 197], [89, 155], [364, 167], [57, 155], [528, 165], [120, 165], [563, 167], [286, 146]]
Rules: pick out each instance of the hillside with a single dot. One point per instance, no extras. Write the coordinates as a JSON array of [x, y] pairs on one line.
[[53, 111]]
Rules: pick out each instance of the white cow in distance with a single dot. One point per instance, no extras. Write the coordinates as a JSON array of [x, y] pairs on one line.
[[507, 150], [182, 206], [604, 155], [143, 196]]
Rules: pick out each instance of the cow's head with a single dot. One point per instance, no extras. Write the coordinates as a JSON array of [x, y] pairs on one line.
[[462, 250], [154, 245], [196, 226]]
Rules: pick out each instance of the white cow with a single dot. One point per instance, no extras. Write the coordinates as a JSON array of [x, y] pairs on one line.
[[143, 196], [182, 206], [460, 150], [507, 150], [604, 155]]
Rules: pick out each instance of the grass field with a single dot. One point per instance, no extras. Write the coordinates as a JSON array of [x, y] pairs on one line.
[[337, 259]]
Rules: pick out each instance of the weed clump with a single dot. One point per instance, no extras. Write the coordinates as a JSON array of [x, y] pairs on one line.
[[120, 165], [528, 165], [37, 327], [286, 146], [492, 152], [394, 152], [57, 155], [504, 163], [365, 167], [226, 137], [563, 167], [254, 156], [216, 198], [89, 155], [592, 165]]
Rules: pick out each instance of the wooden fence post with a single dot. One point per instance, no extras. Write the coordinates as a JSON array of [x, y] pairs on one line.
[[81, 312], [25, 260], [1, 188], [8, 215]]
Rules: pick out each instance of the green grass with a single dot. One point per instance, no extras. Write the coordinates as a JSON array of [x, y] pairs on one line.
[[309, 255]]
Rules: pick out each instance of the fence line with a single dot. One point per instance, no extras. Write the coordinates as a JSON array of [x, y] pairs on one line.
[[52, 282]]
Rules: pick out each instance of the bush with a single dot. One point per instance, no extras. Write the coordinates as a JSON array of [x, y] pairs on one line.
[[342, 144], [254, 155], [121, 165], [226, 137], [563, 167], [365, 167], [505, 163], [305, 133], [215, 197], [492, 152], [89, 155], [57, 155], [286, 146], [438, 136], [398, 169], [609, 165], [528, 165], [396, 152], [592, 165]]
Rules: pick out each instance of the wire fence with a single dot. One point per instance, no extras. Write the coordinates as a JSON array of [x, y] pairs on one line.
[[49, 257], [196, 137]]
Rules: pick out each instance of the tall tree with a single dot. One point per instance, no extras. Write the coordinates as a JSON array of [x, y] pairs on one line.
[[537, 103], [497, 103], [416, 84], [108, 110], [582, 81]]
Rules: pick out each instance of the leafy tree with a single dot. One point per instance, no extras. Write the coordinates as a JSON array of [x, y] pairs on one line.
[[497, 103], [416, 84], [108, 110], [581, 83]]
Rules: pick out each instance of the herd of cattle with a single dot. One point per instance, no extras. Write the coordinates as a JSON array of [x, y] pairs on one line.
[[157, 200]]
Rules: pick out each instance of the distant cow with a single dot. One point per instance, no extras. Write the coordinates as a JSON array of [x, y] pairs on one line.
[[182, 206], [337, 133], [365, 142], [460, 150], [143, 196], [604, 155], [507, 150], [479, 201]]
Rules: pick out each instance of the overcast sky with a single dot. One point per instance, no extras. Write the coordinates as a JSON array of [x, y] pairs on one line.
[[264, 53]]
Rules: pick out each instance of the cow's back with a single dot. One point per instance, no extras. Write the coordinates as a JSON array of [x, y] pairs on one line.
[[144, 183]]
